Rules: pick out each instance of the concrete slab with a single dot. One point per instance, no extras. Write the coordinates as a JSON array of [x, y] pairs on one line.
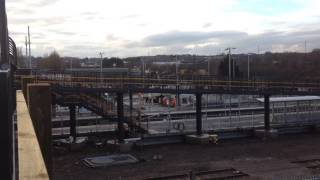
[[196, 139], [266, 134], [109, 160]]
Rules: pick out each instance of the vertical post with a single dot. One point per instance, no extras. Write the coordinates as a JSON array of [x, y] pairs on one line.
[[131, 103], [121, 129], [3, 35], [198, 114], [310, 111], [248, 67], [131, 109], [298, 111], [177, 83], [27, 56], [101, 64], [233, 69], [6, 128], [229, 63], [272, 110], [208, 67], [267, 112], [73, 122], [178, 103], [285, 112], [30, 63]]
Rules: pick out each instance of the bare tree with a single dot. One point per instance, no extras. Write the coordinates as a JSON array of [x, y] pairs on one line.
[[20, 58], [52, 62]]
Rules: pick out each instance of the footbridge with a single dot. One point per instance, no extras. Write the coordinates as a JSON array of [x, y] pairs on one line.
[[78, 90]]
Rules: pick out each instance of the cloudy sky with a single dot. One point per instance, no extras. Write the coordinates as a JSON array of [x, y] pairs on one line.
[[83, 28]]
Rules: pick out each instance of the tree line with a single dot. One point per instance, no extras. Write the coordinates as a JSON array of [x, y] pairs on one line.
[[287, 66]]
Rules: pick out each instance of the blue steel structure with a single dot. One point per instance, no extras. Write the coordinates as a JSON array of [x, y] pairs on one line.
[[75, 84]]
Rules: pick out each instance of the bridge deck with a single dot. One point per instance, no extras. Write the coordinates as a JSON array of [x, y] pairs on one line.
[[69, 83]]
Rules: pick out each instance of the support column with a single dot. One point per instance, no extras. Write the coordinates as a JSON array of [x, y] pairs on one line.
[[267, 112], [121, 129], [198, 114], [39, 103], [73, 122], [178, 96], [131, 121], [131, 104]]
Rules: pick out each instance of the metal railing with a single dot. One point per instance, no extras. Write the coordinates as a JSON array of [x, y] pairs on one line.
[[12, 49], [7, 99]]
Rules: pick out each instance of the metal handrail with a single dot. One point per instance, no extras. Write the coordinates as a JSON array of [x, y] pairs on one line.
[[125, 82], [12, 50]]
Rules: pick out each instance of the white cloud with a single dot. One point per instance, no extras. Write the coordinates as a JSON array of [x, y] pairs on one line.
[[84, 28]]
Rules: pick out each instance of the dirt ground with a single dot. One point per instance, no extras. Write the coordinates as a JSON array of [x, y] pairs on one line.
[[269, 159]]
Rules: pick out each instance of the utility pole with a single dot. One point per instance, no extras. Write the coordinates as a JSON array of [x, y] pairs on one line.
[[71, 65], [142, 69], [27, 56], [177, 83], [233, 69], [30, 63], [177, 77], [305, 47], [208, 67]]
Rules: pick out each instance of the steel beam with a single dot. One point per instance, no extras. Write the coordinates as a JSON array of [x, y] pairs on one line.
[[198, 114], [191, 90], [73, 122], [177, 96], [120, 113], [267, 112], [131, 104]]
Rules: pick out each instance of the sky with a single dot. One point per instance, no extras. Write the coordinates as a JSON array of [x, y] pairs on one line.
[[124, 28]]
